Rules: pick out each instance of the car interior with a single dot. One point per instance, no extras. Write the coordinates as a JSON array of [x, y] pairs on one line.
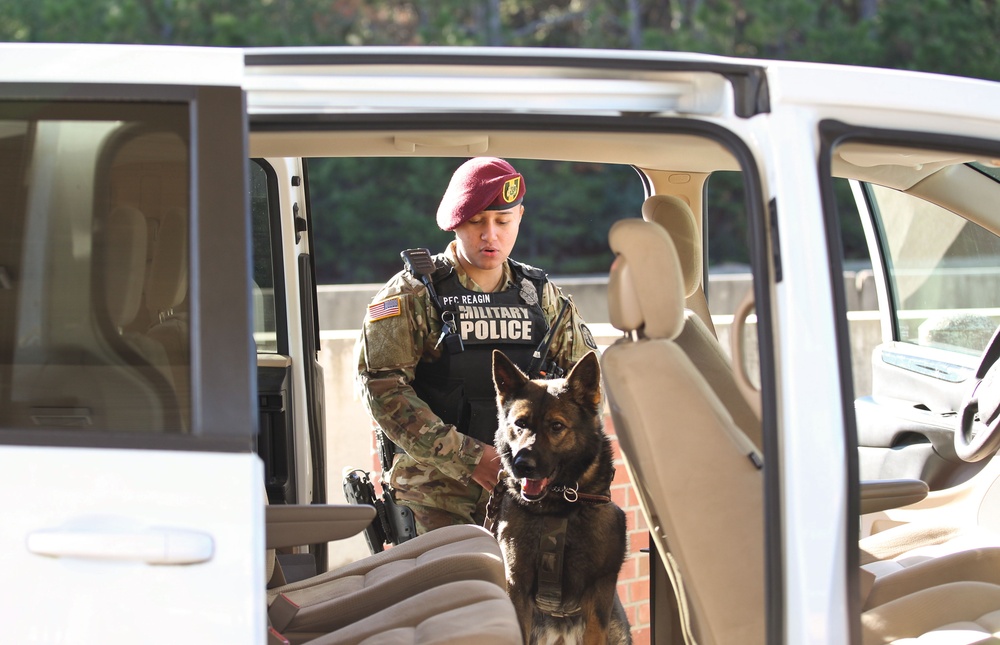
[[687, 387], [944, 542]]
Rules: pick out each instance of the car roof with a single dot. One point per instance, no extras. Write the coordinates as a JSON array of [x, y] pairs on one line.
[[296, 94]]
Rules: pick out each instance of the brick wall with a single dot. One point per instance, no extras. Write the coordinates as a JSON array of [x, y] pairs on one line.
[[633, 581]]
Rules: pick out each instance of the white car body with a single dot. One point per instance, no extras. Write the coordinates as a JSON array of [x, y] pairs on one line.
[[111, 540]]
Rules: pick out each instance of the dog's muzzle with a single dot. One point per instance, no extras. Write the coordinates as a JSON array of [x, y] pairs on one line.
[[525, 467]]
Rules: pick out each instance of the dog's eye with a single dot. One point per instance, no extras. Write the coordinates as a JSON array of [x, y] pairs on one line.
[[557, 427], [521, 423]]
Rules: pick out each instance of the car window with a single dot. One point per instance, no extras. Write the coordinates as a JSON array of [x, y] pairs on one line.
[[919, 316], [729, 280], [941, 271], [94, 332], [262, 208]]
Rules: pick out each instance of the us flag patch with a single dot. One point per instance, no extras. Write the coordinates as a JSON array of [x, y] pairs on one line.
[[385, 309]]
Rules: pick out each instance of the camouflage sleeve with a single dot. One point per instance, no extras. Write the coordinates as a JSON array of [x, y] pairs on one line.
[[573, 340], [400, 328]]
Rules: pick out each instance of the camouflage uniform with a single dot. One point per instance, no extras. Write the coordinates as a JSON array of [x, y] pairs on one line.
[[434, 474]]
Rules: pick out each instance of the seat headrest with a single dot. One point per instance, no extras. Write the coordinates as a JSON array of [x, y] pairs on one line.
[[168, 272], [124, 264], [645, 289], [674, 215]]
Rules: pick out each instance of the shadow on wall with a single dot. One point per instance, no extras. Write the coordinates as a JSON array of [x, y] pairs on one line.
[[343, 306]]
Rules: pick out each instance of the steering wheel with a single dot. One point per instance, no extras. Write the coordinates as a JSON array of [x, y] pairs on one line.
[[978, 432]]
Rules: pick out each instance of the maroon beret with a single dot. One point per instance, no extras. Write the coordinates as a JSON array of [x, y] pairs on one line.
[[481, 183]]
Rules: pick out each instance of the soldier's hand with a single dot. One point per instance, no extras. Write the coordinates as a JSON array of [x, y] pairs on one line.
[[488, 468]]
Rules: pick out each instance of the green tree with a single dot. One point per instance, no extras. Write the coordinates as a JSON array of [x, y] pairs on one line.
[[951, 36], [374, 208], [371, 209]]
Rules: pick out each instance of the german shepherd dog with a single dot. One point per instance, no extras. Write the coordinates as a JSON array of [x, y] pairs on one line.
[[562, 538]]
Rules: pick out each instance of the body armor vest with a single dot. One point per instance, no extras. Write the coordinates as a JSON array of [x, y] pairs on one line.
[[459, 387]]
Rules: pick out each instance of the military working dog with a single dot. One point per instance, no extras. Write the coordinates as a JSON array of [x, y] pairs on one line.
[[563, 540]]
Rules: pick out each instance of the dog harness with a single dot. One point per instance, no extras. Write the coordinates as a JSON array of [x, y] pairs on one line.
[[552, 548], [551, 544]]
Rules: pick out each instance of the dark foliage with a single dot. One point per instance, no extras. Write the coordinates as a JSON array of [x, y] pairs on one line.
[[367, 210]]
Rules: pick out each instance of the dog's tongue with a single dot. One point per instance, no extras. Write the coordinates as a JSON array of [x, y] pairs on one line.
[[533, 487]]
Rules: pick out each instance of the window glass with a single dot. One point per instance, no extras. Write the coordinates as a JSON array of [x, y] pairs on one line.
[[942, 272], [94, 331], [992, 169], [729, 280], [264, 319]]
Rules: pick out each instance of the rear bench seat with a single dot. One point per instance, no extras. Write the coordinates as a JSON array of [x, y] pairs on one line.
[[456, 613], [438, 588], [330, 601]]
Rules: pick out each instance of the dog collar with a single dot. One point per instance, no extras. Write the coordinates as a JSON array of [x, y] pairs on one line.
[[571, 495]]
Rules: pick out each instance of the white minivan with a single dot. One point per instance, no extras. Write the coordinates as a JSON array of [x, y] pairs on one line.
[[161, 392]]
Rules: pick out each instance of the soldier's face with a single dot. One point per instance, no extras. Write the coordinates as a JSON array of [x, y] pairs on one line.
[[486, 239]]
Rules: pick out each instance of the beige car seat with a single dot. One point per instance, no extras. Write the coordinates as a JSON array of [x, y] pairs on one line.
[[698, 337], [713, 465], [662, 406], [456, 613], [954, 613], [674, 214], [907, 558], [329, 601], [124, 275], [166, 290]]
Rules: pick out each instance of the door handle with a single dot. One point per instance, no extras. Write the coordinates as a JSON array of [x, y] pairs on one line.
[[152, 545]]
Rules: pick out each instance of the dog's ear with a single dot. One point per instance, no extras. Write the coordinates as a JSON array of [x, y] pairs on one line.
[[507, 377], [584, 382]]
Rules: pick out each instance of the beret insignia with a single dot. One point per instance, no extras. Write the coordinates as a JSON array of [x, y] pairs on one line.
[[511, 188]]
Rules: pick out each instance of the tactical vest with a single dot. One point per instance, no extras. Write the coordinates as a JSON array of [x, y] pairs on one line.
[[459, 387]]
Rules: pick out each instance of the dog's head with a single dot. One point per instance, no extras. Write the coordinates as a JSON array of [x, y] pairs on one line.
[[549, 431]]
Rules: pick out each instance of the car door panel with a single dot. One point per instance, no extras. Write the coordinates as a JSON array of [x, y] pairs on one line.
[[127, 410], [87, 525], [906, 427], [901, 437]]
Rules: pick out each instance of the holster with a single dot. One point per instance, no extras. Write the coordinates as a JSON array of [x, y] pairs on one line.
[[392, 524], [402, 525]]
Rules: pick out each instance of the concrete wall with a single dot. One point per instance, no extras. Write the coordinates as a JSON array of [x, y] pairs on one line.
[[343, 306]]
